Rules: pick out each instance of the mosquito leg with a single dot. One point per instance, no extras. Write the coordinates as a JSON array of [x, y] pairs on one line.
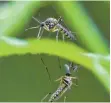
[[74, 77], [63, 37], [46, 69], [57, 35], [39, 33], [75, 84], [64, 99], [75, 68], [67, 85], [45, 96], [58, 79]]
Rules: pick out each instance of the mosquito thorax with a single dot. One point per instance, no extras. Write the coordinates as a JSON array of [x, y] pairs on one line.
[[51, 22]]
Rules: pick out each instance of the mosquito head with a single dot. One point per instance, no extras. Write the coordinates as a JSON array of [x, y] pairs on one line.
[[67, 74], [42, 24], [67, 70]]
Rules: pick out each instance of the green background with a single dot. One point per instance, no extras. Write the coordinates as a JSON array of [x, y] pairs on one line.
[[23, 78]]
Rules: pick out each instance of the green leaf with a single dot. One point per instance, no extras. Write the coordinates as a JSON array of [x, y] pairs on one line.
[[11, 46]]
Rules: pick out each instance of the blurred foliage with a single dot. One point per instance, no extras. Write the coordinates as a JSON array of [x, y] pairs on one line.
[[22, 75]]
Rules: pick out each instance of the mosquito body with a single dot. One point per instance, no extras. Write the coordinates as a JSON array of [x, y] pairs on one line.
[[53, 25], [65, 85]]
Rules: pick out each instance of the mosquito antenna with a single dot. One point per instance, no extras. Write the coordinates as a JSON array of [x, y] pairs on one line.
[[59, 62], [46, 69], [32, 27], [36, 19]]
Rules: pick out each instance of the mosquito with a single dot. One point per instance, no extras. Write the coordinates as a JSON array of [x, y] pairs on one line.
[[65, 85], [53, 25]]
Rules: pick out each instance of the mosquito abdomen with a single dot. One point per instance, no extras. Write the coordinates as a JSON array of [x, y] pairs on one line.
[[58, 93], [65, 32]]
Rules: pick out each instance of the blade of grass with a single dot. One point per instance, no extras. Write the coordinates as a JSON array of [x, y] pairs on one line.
[[11, 46], [20, 13]]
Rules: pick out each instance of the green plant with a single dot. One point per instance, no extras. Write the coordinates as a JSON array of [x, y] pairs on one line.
[[97, 60]]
